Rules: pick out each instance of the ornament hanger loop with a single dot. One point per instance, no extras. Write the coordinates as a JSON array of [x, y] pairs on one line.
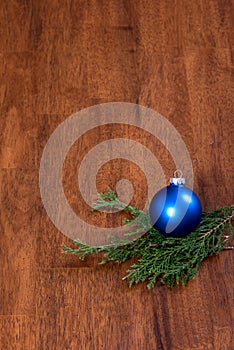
[[177, 179], [178, 173]]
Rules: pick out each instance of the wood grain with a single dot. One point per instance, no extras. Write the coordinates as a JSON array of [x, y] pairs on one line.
[[57, 58]]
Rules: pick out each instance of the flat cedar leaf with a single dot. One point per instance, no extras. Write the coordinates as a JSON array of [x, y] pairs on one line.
[[170, 260]]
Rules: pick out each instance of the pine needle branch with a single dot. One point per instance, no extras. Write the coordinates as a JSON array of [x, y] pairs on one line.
[[170, 260]]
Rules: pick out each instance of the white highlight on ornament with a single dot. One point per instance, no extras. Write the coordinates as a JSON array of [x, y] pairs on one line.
[[170, 212], [187, 198]]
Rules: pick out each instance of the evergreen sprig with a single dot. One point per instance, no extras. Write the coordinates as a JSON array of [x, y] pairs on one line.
[[170, 260]]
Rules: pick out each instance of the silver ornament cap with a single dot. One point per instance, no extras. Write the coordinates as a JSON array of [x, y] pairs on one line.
[[178, 178]]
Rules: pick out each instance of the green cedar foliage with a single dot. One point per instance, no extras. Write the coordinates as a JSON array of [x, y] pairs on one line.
[[170, 260]]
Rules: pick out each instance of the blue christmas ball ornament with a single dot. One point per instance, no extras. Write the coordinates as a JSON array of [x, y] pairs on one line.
[[175, 211]]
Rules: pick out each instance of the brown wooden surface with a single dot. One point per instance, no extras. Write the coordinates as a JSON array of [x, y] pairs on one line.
[[57, 57]]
